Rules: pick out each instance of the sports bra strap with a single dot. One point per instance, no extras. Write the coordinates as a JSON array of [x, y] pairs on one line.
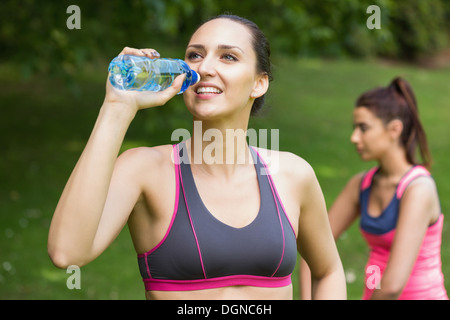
[[412, 174], [367, 179]]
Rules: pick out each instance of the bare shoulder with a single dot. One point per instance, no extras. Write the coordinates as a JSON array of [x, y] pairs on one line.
[[355, 181], [286, 163], [420, 200], [143, 162], [146, 155], [424, 182], [421, 188]]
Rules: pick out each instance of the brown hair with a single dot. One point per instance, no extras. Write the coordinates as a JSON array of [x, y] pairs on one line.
[[397, 101]]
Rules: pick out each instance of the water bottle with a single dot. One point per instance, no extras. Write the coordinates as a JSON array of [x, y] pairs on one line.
[[129, 72]]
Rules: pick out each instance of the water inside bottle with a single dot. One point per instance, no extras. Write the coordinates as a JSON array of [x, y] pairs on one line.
[[136, 73]]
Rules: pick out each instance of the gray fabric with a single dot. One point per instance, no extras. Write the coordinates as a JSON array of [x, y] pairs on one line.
[[255, 249]]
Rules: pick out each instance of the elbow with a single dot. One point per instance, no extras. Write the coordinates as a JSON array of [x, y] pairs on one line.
[[388, 291], [331, 286], [59, 259], [62, 259], [393, 292], [64, 254]]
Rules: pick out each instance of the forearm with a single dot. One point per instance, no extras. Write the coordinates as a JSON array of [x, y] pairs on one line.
[[77, 215], [390, 286], [378, 294]]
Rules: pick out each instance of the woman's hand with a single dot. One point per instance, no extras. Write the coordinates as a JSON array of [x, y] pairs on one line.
[[136, 100]]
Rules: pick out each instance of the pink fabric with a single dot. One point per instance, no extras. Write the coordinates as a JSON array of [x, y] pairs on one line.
[[414, 173], [238, 280], [367, 180], [426, 281]]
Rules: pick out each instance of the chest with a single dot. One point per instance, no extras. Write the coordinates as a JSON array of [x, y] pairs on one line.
[[380, 196], [235, 203], [379, 211]]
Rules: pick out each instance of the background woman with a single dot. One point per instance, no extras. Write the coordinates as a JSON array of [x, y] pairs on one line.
[[397, 201], [204, 228]]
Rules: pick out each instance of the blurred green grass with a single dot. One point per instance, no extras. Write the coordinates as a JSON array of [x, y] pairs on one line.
[[45, 123]]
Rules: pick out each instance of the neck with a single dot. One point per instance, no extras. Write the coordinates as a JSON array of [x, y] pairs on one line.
[[394, 164], [216, 147]]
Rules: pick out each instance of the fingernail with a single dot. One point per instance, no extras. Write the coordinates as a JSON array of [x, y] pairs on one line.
[[155, 53]]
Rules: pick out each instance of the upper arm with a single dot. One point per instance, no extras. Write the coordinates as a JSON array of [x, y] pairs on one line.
[[345, 208], [418, 209], [315, 239], [125, 188]]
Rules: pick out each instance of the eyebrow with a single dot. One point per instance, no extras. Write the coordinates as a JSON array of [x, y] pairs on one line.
[[220, 46]]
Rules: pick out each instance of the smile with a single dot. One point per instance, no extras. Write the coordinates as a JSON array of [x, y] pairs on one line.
[[208, 90]]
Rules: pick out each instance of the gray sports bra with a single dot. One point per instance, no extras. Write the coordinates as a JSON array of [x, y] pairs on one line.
[[200, 252]]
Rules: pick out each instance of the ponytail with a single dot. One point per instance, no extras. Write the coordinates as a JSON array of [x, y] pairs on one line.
[[416, 134]]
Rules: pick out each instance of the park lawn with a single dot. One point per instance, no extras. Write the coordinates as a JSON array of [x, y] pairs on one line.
[[45, 123]]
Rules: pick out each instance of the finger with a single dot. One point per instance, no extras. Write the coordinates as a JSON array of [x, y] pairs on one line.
[[178, 82], [151, 53], [147, 99], [148, 52], [174, 89], [132, 51]]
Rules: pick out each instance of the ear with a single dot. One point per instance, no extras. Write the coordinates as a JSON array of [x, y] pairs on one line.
[[261, 86], [395, 128]]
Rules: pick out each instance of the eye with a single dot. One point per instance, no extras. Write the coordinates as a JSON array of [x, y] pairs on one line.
[[229, 57], [193, 56], [363, 127]]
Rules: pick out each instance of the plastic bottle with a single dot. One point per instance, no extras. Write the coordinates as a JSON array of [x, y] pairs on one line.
[[129, 72]]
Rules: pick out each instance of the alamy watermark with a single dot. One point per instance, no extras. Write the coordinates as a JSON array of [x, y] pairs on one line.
[[373, 277], [230, 141], [74, 20], [74, 280], [374, 21]]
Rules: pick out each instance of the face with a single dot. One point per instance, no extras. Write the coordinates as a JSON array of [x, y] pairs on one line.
[[371, 137], [221, 52]]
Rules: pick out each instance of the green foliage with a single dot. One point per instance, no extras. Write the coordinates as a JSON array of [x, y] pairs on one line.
[[34, 33], [418, 27]]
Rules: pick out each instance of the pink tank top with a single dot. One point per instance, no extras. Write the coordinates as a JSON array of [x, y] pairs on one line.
[[426, 281]]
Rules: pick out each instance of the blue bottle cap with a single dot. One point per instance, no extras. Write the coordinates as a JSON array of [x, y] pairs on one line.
[[195, 77]]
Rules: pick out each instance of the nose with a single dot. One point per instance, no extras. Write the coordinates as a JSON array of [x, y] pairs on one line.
[[355, 137], [207, 67]]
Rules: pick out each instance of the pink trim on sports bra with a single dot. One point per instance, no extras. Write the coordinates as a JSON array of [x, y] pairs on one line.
[[227, 281]]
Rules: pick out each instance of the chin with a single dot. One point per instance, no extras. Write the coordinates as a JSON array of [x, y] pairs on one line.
[[367, 158], [210, 112], [205, 114]]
